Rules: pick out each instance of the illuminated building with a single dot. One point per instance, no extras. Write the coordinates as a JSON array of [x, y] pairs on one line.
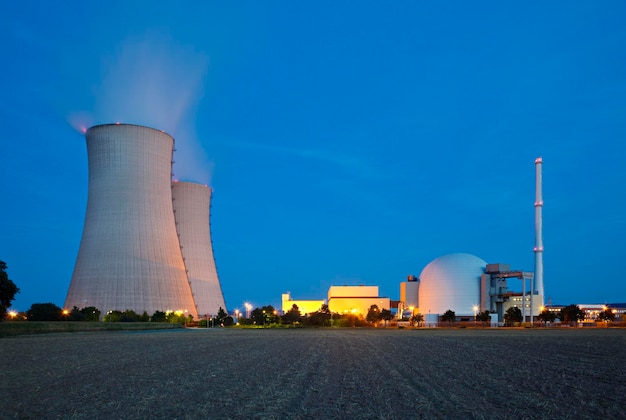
[[304, 306], [355, 299]]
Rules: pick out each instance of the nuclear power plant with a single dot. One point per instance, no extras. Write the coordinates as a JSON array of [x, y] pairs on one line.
[[146, 246], [146, 243], [466, 284], [460, 282]]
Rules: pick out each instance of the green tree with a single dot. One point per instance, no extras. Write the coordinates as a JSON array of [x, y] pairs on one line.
[[571, 314], [270, 314], [114, 316], [373, 314], [293, 315], [44, 312], [129, 316], [386, 315], [606, 315], [177, 317], [90, 314], [8, 290], [320, 318], [449, 316], [221, 316], [158, 316], [76, 315], [513, 315], [257, 316], [483, 317], [416, 319], [546, 316]]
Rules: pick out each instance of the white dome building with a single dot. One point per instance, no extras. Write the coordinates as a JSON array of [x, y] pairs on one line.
[[451, 282]]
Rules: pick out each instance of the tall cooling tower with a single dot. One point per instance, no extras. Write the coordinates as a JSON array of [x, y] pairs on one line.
[[192, 204], [130, 256]]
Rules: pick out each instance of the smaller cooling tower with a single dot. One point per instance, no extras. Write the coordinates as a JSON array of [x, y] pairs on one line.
[[192, 204]]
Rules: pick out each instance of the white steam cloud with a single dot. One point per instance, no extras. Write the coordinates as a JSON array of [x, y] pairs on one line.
[[157, 82]]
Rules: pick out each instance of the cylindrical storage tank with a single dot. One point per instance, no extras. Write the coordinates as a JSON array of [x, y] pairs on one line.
[[192, 203], [451, 282], [130, 256]]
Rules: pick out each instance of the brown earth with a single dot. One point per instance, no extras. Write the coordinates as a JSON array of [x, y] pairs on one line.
[[315, 373]]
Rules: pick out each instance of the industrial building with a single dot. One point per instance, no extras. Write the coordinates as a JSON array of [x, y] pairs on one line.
[[355, 299], [466, 284], [304, 306], [135, 253]]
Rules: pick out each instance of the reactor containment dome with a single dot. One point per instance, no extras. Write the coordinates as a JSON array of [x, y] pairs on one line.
[[451, 281]]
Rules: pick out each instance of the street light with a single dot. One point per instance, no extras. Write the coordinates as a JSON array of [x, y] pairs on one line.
[[475, 312], [248, 308]]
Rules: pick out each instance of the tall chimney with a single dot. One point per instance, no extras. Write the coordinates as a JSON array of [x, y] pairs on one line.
[[538, 232]]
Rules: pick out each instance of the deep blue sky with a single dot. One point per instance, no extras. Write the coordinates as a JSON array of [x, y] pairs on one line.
[[346, 142]]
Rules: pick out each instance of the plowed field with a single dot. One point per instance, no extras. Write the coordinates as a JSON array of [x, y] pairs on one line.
[[316, 373]]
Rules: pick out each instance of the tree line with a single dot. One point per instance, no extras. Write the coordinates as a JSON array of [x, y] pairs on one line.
[[263, 316]]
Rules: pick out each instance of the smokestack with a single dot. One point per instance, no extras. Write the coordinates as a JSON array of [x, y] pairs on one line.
[[538, 231]]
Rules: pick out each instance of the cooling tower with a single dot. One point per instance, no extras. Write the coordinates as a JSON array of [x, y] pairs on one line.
[[129, 256], [192, 203]]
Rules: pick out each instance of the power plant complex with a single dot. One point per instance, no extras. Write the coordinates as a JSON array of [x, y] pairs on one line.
[[146, 246], [146, 243], [460, 282]]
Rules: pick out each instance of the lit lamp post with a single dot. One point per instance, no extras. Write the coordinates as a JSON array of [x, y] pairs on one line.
[[475, 313], [248, 308], [12, 314]]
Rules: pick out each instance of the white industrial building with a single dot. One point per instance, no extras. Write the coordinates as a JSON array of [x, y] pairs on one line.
[[467, 285]]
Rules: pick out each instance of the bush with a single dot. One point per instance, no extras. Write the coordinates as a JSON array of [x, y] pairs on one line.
[[129, 316], [158, 316], [44, 312]]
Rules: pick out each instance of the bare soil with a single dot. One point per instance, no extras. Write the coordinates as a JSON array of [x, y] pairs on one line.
[[315, 373]]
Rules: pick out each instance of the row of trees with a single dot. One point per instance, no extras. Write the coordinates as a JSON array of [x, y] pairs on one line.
[[567, 315], [570, 314], [51, 312], [268, 315]]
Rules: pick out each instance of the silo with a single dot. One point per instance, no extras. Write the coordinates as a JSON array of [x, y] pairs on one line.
[[130, 256], [192, 203]]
